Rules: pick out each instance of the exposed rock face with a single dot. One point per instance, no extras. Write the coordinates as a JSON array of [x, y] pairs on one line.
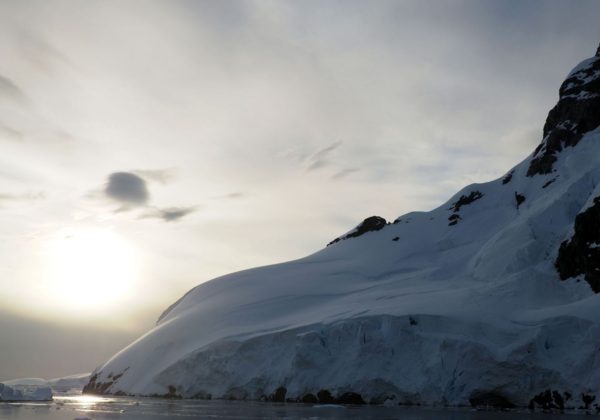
[[370, 224], [94, 386], [466, 199], [278, 395], [519, 198], [350, 398], [453, 219], [325, 397], [490, 399], [309, 399], [576, 113], [581, 254], [549, 400]]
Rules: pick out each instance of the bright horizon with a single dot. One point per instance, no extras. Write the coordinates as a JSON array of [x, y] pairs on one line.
[[152, 146]]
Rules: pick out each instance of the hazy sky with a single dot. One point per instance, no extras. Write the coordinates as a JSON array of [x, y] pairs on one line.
[[150, 146]]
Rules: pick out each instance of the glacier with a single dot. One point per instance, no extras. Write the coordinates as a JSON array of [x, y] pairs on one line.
[[488, 299], [27, 389], [38, 389]]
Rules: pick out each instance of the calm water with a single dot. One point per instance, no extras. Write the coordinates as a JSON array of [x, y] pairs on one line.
[[95, 408]]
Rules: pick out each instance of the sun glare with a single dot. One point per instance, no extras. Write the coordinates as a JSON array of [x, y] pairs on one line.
[[90, 268]]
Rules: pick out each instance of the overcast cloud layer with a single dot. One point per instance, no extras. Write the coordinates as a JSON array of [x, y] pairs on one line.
[[215, 136]]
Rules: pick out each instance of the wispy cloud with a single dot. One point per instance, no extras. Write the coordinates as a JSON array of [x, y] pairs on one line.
[[317, 164], [9, 133], [320, 158], [9, 89], [170, 214], [4, 197], [40, 52], [162, 176], [233, 195], [344, 173], [323, 153]]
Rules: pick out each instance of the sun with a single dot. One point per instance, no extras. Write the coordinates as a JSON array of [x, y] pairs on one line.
[[90, 268]]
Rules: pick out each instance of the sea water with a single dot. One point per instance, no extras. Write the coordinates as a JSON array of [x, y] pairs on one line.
[[99, 408]]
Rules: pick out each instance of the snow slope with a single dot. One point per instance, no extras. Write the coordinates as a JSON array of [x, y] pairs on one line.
[[463, 304]]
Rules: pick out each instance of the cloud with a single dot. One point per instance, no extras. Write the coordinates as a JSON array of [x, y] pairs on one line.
[[22, 197], [319, 159], [127, 189], [233, 195], [131, 191], [317, 164], [321, 154], [169, 214], [9, 89], [39, 52], [9, 133], [344, 173], [162, 176]]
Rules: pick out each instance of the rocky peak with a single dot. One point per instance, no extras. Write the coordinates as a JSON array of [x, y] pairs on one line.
[[598, 51], [576, 113], [370, 224]]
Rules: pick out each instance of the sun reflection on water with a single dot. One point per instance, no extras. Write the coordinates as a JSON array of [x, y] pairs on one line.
[[88, 401], [84, 402]]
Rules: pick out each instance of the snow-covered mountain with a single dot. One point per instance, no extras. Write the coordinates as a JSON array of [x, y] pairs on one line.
[[488, 299]]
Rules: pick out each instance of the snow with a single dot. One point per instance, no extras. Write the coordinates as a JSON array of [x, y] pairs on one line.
[[442, 314], [584, 65], [582, 95]]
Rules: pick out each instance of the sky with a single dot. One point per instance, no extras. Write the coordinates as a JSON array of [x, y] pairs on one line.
[[149, 146]]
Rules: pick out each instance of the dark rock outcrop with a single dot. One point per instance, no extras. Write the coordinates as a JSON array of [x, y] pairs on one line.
[[172, 392], [350, 398], [576, 113], [549, 182], [309, 399], [519, 198], [587, 400], [548, 400], [581, 254], [453, 219], [507, 178], [101, 388], [490, 399], [325, 397], [236, 393], [465, 199], [370, 224], [278, 395]]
